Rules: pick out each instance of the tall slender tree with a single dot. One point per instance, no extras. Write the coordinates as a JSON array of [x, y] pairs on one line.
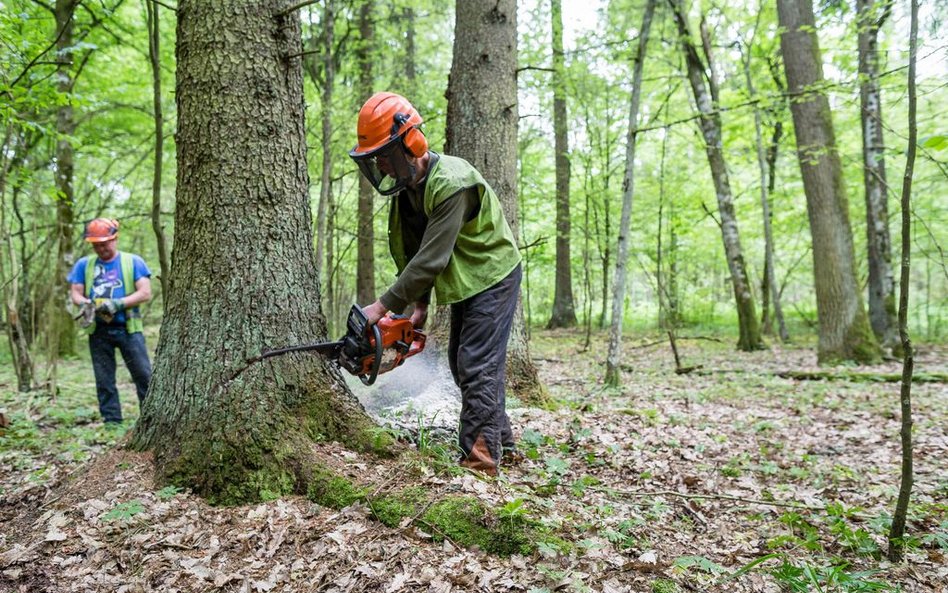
[[564, 310], [365, 261], [705, 88], [482, 128], [63, 334], [242, 204], [766, 170], [154, 61], [844, 331], [907, 478], [614, 357], [871, 15]]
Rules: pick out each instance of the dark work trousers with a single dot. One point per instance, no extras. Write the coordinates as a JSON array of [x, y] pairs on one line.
[[477, 352], [102, 345]]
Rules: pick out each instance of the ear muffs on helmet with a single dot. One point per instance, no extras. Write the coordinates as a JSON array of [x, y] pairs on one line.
[[415, 142]]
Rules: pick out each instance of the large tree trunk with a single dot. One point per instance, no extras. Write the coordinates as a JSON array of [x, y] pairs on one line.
[[564, 311], [62, 331], [882, 315], [482, 128], [365, 260], [154, 60], [706, 101], [845, 333], [614, 357], [243, 269]]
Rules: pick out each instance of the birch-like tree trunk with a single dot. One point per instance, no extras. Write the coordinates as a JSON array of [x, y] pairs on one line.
[[844, 330], [706, 100], [482, 128], [365, 241], [243, 270], [564, 310], [614, 357], [882, 314]]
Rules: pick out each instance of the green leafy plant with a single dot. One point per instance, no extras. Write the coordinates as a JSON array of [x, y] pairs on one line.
[[168, 492], [699, 563], [804, 578], [124, 511]]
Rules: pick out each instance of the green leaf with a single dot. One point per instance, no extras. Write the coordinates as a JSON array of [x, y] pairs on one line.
[[124, 511], [935, 142]]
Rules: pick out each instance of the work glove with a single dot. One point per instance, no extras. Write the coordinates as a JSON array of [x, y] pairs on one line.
[[86, 314], [110, 307]]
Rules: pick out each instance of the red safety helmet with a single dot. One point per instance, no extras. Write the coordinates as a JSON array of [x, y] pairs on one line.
[[101, 230], [388, 132]]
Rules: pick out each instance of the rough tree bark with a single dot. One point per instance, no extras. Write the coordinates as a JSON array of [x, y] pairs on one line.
[[844, 331], [564, 311], [706, 99], [482, 128], [243, 270], [365, 259], [614, 357], [154, 60], [882, 314], [897, 533]]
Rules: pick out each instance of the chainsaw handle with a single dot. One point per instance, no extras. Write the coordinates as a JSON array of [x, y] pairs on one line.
[[376, 336], [417, 345]]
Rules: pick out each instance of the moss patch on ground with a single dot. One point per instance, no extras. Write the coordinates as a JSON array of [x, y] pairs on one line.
[[465, 521]]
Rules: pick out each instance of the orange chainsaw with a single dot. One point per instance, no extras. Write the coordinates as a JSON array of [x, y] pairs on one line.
[[366, 351]]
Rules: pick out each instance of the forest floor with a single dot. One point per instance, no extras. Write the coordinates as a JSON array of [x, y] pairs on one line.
[[730, 478]]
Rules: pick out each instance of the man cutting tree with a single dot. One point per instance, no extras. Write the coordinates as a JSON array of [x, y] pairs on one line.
[[447, 231]]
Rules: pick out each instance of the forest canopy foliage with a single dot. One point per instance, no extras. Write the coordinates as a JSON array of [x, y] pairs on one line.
[[109, 100]]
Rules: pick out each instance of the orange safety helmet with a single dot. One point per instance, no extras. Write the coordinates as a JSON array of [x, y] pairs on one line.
[[101, 230], [387, 129]]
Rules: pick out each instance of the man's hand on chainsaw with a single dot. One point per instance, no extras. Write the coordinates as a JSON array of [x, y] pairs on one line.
[[419, 316], [374, 312]]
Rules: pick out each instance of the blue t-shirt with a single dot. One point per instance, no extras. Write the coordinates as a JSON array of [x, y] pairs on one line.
[[107, 279]]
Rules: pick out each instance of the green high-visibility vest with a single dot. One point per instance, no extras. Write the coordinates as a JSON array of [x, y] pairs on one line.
[[485, 251], [133, 317]]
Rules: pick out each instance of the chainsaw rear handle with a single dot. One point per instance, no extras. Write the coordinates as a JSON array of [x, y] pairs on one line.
[[376, 361]]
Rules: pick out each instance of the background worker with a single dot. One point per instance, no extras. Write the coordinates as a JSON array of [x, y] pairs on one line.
[[113, 284], [447, 230]]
